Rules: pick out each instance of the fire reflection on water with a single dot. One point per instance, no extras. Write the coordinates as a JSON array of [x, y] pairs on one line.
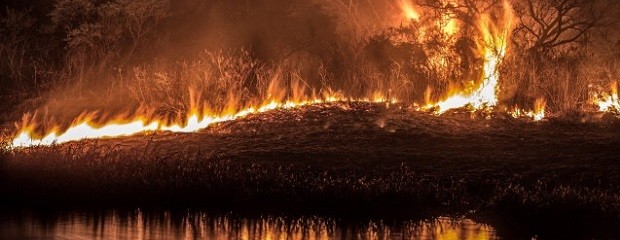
[[196, 225]]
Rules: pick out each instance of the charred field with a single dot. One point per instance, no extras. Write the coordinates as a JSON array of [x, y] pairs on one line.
[[345, 160]]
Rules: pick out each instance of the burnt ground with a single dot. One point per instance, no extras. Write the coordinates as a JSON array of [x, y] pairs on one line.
[[347, 160]]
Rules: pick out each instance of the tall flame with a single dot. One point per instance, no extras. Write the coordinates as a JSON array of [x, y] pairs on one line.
[[493, 48]]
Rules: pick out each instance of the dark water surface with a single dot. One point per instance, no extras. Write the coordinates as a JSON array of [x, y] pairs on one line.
[[196, 225]]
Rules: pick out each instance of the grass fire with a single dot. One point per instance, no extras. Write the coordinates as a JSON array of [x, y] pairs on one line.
[[494, 112]]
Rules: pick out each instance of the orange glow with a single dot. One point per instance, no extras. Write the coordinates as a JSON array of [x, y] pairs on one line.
[[537, 114], [409, 12], [197, 119], [451, 27], [197, 225], [493, 47], [607, 102], [84, 130], [480, 94], [447, 23]]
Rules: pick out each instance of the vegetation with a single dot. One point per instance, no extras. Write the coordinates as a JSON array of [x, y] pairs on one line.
[[149, 53], [539, 177], [62, 58]]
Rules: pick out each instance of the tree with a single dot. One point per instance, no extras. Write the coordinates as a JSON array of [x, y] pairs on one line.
[[15, 37], [138, 18], [545, 25], [550, 51], [95, 30], [466, 11]]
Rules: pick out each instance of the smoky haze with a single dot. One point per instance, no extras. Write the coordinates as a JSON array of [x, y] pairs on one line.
[[76, 58]]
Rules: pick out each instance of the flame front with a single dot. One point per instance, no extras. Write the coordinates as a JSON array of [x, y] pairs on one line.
[[197, 120], [84, 130]]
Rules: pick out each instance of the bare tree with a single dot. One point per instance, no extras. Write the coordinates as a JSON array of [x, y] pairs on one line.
[[14, 45], [102, 33], [140, 18], [544, 25]]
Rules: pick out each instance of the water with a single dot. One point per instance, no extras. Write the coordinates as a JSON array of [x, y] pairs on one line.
[[196, 225]]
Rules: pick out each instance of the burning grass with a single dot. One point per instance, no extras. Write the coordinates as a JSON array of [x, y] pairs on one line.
[[344, 160], [433, 61], [338, 117]]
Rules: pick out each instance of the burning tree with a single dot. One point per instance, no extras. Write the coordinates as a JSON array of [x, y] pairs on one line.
[[435, 55]]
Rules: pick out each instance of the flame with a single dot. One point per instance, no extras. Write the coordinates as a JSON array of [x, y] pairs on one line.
[[493, 47], [198, 119], [480, 94], [447, 23], [409, 12], [537, 114], [84, 130], [451, 26], [608, 102]]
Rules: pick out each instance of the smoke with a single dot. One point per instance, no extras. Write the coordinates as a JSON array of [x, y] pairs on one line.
[[160, 58], [153, 58]]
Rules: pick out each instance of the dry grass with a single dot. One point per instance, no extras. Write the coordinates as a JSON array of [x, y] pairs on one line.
[[360, 50], [339, 161], [559, 80]]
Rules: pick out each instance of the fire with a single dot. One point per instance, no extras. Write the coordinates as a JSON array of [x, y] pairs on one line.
[[197, 119], [537, 114], [84, 130], [481, 94], [450, 26], [409, 12], [493, 48], [608, 101], [447, 23]]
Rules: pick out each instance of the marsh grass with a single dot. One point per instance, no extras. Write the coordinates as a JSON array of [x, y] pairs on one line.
[[338, 161], [90, 174]]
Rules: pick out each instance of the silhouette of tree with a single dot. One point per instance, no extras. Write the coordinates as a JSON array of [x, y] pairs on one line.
[[544, 25]]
